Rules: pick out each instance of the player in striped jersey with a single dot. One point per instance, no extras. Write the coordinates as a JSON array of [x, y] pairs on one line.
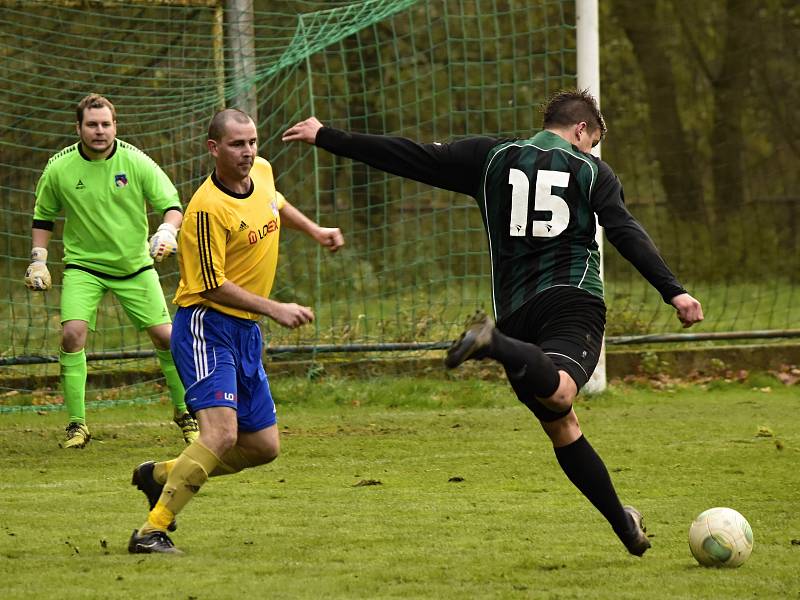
[[229, 253], [538, 198], [100, 184]]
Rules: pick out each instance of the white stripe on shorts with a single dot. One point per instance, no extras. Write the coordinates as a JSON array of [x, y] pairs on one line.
[[199, 343], [570, 358]]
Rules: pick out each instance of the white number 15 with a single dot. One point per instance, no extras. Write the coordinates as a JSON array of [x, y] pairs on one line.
[[544, 199]]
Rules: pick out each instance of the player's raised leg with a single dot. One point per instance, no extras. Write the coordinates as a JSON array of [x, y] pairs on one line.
[[522, 360], [547, 383]]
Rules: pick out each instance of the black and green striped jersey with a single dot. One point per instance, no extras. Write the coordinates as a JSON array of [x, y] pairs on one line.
[[538, 198], [535, 200]]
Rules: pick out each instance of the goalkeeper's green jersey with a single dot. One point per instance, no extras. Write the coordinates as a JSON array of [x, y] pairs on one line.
[[105, 214]]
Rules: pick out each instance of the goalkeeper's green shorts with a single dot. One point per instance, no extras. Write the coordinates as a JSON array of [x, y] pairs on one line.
[[140, 296]]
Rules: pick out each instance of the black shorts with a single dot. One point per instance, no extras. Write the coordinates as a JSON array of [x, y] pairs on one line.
[[567, 323]]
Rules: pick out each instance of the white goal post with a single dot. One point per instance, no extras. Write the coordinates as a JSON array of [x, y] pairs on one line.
[[588, 42]]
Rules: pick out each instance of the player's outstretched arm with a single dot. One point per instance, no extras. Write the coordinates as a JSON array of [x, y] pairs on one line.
[[454, 166], [304, 131], [689, 310], [329, 237]]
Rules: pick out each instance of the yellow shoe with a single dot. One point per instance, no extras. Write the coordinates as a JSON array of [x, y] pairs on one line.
[[77, 436], [188, 426]]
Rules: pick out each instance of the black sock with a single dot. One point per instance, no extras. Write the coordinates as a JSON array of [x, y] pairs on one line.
[[525, 363], [588, 473]]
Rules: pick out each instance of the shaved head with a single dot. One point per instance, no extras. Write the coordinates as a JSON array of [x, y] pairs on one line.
[[219, 122], [573, 106]]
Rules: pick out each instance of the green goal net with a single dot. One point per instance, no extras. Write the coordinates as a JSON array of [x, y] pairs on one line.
[[416, 261]]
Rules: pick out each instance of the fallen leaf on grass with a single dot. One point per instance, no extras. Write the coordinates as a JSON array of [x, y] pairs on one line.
[[365, 482]]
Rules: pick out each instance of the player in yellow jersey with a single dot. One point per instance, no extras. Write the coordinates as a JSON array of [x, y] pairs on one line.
[[228, 256]]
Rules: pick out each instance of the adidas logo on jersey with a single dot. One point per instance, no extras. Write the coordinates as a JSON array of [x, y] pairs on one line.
[[243, 226], [80, 185]]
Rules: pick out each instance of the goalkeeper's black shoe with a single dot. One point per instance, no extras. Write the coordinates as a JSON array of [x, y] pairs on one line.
[[637, 544], [474, 342], [155, 542], [143, 479]]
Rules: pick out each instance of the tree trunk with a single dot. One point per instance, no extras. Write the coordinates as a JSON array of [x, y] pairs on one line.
[[680, 176], [730, 88]]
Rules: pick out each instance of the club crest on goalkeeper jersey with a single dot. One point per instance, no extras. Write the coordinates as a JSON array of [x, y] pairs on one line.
[[104, 205], [229, 236]]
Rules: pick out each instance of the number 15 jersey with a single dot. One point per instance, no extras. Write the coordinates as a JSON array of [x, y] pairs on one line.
[[535, 201]]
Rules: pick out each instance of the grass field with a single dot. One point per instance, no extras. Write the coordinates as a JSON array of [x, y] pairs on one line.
[[412, 488]]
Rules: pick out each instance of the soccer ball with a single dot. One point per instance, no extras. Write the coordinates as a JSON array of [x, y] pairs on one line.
[[720, 537]]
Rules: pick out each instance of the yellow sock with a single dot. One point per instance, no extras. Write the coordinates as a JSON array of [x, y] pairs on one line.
[[161, 470], [158, 519], [186, 476], [233, 461]]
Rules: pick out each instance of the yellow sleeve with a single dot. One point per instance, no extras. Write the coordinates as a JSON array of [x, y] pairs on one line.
[[202, 247], [280, 201]]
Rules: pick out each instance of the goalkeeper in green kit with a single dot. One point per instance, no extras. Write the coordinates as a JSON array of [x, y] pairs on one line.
[[101, 185]]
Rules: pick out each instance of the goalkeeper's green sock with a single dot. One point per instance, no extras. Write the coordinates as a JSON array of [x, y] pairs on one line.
[[188, 474], [73, 383], [174, 384]]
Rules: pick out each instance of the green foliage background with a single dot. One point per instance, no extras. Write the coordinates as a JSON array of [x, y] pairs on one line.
[[698, 103]]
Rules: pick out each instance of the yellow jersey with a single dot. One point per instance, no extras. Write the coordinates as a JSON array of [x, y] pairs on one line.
[[229, 236]]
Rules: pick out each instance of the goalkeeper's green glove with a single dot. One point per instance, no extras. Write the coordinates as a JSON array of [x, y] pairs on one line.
[[37, 277], [163, 242]]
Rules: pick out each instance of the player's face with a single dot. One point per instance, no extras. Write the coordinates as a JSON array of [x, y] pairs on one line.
[[236, 151], [97, 131]]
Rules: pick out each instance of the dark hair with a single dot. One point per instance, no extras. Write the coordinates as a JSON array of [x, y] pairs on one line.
[[569, 107], [216, 129], [94, 101]]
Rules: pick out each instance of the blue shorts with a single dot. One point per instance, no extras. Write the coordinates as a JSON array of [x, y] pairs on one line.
[[219, 360]]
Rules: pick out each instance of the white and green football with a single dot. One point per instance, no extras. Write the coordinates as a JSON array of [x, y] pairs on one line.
[[720, 537]]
